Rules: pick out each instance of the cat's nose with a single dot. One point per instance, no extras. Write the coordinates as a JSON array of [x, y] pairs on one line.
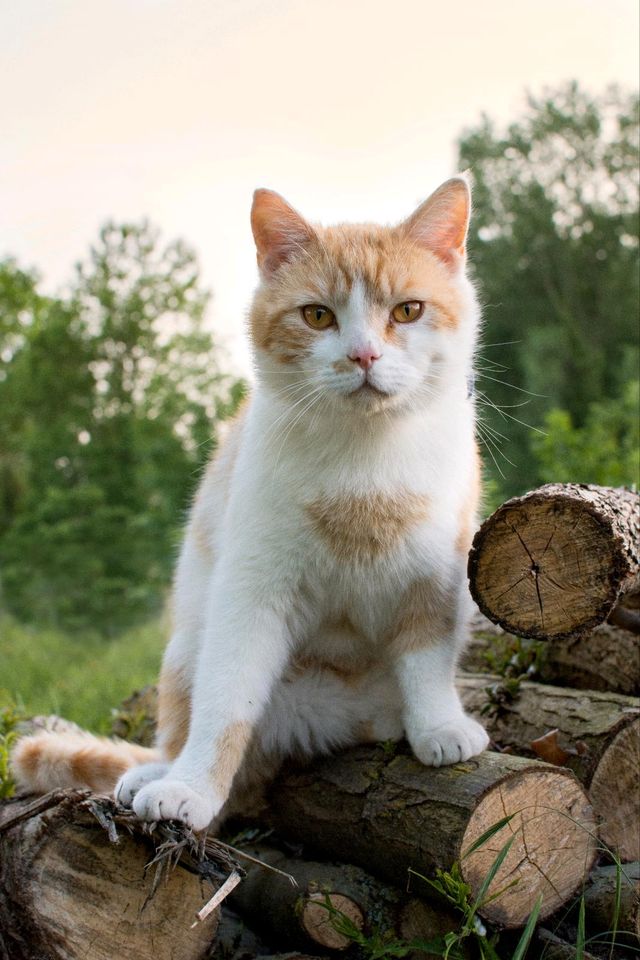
[[365, 357]]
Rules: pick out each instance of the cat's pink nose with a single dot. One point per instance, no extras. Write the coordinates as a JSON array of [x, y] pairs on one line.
[[365, 357]]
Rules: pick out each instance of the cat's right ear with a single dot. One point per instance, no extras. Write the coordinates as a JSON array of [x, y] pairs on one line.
[[278, 230]]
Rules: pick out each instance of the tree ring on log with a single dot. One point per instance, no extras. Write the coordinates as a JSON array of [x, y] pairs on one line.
[[544, 835], [316, 920], [614, 789], [554, 562]]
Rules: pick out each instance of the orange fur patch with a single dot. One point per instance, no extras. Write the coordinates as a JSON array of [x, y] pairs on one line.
[[469, 514], [360, 529], [365, 732], [424, 615], [174, 712], [230, 749], [50, 760]]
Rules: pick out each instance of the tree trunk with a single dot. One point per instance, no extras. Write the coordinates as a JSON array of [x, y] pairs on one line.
[[69, 891], [383, 810], [297, 917], [594, 734], [557, 561], [606, 659]]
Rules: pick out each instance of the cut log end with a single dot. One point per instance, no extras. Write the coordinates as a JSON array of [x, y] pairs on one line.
[[614, 792], [555, 562], [552, 844], [316, 919]]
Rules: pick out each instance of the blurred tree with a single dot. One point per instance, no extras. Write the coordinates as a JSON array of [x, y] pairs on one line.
[[108, 401], [605, 450], [554, 242]]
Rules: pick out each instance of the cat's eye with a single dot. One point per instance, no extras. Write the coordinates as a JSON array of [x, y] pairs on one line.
[[407, 312], [317, 316]]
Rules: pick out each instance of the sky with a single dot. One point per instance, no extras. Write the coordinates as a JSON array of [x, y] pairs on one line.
[[176, 110]]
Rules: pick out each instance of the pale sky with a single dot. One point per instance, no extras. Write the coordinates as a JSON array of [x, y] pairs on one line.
[[178, 109]]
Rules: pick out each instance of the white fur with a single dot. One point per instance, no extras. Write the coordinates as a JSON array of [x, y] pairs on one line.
[[272, 586]]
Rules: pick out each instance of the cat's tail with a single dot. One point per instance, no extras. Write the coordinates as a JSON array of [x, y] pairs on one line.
[[53, 759]]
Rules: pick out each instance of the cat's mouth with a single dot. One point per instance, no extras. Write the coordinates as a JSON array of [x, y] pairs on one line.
[[367, 387]]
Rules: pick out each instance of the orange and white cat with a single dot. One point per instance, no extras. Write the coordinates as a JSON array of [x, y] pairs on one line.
[[320, 597]]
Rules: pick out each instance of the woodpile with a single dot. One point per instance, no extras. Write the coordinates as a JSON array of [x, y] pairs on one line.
[[347, 845]]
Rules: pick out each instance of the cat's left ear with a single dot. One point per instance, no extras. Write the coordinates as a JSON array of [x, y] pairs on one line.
[[441, 223], [278, 230]]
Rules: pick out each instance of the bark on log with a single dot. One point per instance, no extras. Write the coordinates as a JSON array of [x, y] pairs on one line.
[[600, 901], [617, 772], [556, 561], [597, 735], [68, 891], [385, 811], [607, 658], [297, 918], [554, 948]]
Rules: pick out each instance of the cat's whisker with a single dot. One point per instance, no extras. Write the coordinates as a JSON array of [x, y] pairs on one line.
[[513, 386], [510, 416]]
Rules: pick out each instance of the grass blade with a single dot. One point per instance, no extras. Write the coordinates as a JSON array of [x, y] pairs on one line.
[[580, 937], [527, 933], [482, 839], [493, 869]]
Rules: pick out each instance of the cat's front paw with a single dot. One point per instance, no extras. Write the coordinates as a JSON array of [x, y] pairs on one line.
[[135, 779], [452, 742], [175, 800]]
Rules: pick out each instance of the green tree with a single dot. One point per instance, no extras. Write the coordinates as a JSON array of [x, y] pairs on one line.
[[605, 450], [108, 401], [555, 243]]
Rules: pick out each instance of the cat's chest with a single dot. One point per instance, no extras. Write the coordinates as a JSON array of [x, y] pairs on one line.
[[361, 528]]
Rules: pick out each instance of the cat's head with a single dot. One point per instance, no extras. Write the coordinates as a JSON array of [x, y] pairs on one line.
[[368, 317]]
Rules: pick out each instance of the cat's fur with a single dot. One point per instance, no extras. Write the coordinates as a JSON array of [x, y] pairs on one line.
[[320, 597]]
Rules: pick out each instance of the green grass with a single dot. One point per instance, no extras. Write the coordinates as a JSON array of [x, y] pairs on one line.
[[80, 676]]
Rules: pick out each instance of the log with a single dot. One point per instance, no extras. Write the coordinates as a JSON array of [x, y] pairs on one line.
[[235, 939], [597, 735], [606, 658], [620, 829], [600, 901], [558, 560], [69, 891], [296, 917], [554, 948], [381, 809]]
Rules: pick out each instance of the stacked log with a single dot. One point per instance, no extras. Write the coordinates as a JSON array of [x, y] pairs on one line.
[[597, 735], [385, 811], [70, 888], [606, 658], [302, 916], [559, 561]]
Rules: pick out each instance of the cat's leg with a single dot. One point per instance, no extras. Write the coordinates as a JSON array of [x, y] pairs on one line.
[[174, 684], [243, 651], [429, 637], [174, 701]]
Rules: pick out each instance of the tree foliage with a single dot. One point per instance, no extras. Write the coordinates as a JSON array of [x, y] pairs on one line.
[[108, 399], [604, 450], [555, 244]]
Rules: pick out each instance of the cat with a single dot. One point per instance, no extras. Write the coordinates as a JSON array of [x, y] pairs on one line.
[[320, 597]]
